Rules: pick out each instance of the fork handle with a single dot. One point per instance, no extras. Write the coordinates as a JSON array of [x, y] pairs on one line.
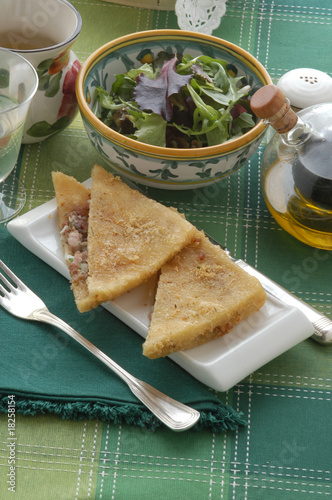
[[175, 415]]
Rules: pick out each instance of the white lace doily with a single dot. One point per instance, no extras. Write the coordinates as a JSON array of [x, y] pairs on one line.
[[200, 15]]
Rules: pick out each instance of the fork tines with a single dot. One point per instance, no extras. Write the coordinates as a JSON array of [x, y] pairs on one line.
[[9, 285]]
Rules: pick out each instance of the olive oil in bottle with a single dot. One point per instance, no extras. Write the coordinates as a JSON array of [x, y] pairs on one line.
[[297, 166]]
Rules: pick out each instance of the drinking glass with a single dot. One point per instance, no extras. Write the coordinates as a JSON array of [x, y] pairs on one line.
[[18, 84]]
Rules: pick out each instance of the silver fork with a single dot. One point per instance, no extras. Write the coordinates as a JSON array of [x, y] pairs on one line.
[[20, 301]]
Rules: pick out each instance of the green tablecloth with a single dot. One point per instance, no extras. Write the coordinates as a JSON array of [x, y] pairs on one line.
[[285, 451]]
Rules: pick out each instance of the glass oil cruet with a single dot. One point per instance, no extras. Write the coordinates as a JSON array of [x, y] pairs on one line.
[[297, 166]]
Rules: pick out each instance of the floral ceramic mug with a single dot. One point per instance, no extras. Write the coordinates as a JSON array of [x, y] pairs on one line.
[[43, 31]]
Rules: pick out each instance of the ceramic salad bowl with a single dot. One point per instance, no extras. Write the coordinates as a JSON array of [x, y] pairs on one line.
[[166, 167]]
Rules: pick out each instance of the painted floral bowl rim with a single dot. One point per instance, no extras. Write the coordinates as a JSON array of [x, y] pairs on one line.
[[171, 35]]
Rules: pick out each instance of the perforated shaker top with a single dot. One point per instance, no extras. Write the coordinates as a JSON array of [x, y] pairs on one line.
[[305, 87]]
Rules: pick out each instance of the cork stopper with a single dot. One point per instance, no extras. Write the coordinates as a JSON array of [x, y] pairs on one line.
[[270, 103]]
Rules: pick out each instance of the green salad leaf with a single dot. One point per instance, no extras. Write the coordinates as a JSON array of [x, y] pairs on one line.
[[186, 102]]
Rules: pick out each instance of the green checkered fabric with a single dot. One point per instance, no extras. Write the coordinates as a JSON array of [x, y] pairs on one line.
[[285, 450]]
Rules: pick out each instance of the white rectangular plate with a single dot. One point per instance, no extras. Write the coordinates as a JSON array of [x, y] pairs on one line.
[[221, 363]]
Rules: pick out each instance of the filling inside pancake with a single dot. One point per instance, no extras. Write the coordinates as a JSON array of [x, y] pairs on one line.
[[74, 236]]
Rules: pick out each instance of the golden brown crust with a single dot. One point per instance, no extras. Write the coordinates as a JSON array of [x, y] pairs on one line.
[[69, 193], [201, 295], [138, 236]]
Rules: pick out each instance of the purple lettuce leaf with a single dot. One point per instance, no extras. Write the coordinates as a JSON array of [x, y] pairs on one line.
[[154, 94]]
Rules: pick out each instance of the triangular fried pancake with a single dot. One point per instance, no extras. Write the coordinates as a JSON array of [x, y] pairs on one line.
[[130, 236], [201, 295], [72, 196]]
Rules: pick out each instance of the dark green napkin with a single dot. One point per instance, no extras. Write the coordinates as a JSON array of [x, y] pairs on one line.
[[51, 373]]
